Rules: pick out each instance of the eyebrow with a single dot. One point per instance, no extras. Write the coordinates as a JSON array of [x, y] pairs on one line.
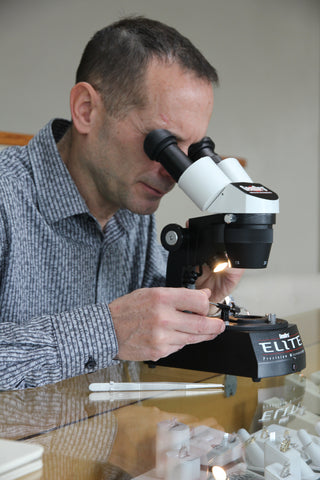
[[180, 139]]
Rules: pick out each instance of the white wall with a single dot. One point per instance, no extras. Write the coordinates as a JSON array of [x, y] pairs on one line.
[[266, 109]]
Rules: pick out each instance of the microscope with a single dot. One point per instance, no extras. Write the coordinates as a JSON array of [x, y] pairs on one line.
[[238, 233]]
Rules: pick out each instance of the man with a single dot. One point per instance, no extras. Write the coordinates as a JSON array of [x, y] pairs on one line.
[[82, 275]]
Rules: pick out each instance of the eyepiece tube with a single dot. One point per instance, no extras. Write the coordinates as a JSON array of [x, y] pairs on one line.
[[204, 148], [201, 180], [230, 166], [161, 145]]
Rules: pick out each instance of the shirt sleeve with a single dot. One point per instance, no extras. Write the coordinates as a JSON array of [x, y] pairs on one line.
[[54, 347], [49, 348]]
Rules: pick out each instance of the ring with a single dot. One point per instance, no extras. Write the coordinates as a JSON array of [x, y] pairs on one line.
[[285, 445], [249, 441]]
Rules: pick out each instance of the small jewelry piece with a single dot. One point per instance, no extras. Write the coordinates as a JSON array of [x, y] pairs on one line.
[[173, 422], [285, 445], [249, 441], [183, 452], [285, 472], [232, 437], [265, 433], [216, 312]]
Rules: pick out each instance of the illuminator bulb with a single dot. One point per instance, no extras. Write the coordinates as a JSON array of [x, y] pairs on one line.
[[218, 473]]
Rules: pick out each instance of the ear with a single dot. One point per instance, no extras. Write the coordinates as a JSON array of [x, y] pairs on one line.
[[83, 104]]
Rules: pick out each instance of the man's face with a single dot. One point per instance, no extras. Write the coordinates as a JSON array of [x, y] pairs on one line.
[[123, 174]]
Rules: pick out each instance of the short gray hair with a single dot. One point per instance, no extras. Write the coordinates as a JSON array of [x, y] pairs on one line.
[[115, 60]]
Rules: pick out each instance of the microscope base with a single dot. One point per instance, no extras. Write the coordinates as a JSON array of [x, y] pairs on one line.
[[257, 353]]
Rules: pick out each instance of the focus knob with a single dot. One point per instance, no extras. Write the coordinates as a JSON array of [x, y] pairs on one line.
[[172, 237]]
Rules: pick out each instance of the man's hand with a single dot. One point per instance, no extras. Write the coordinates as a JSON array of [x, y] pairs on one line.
[[221, 284], [154, 322]]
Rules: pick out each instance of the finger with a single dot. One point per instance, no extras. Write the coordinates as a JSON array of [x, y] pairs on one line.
[[192, 339], [197, 324], [196, 301], [174, 341], [180, 340]]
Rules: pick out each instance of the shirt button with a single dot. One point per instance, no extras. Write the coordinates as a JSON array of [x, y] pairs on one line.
[[91, 363]]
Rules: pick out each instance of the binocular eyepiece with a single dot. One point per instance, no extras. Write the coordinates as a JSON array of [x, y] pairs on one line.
[[161, 145]]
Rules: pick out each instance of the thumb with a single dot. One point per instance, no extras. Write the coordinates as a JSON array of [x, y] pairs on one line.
[[206, 291]]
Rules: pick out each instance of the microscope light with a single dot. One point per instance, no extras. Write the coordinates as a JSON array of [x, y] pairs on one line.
[[218, 473], [220, 267], [220, 263]]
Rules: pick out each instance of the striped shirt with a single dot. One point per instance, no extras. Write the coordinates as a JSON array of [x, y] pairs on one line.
[[59, 270]]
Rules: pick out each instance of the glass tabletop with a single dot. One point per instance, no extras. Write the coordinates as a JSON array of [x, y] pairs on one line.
[[124, 435]]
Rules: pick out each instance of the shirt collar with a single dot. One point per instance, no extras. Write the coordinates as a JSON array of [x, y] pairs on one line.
[[58, 196]]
